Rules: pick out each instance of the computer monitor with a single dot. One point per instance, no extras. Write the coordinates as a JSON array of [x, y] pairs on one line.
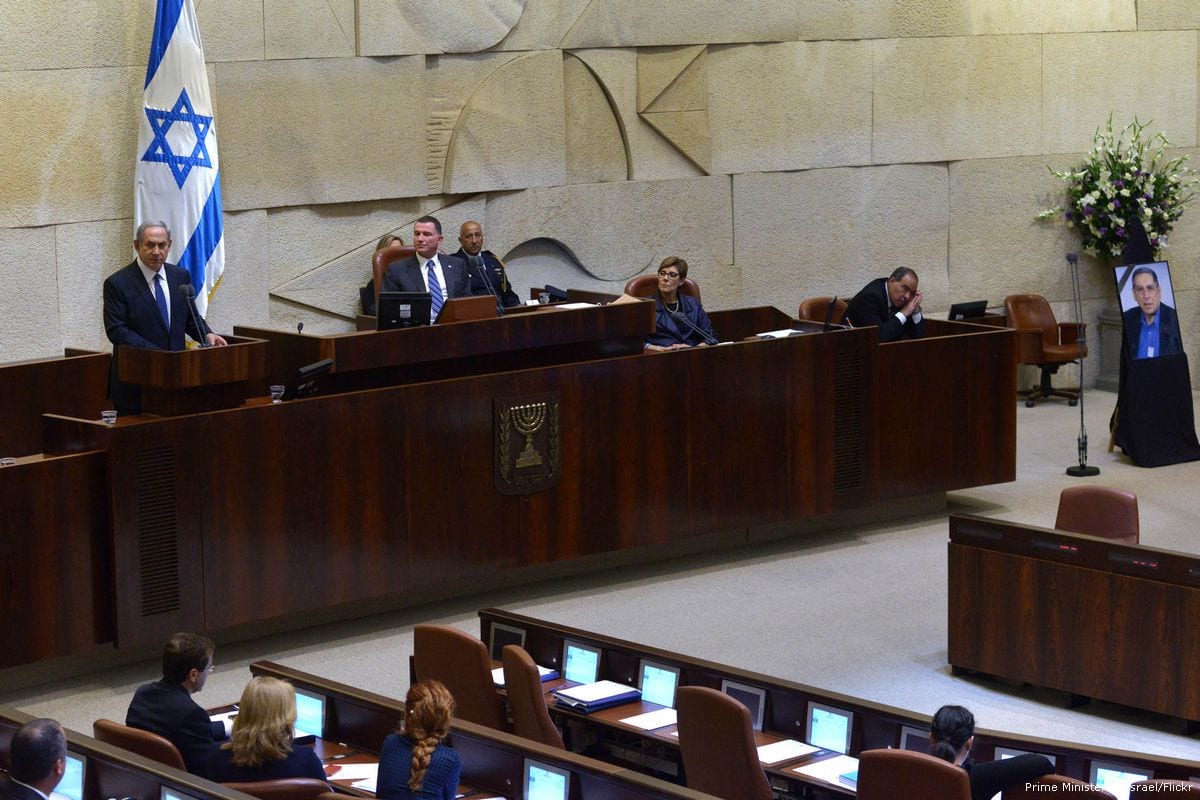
[[658, 682], [829, 728], [544, 782], [751, 697], [71, 785], [581, 662], [169, 793], [1002, 753], [503, 635], [972, 310], [1116, 778], [403, 310], [914, 739], [310, 713]]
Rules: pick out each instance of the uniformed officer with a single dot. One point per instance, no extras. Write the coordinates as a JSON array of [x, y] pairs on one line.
[[487, 271]]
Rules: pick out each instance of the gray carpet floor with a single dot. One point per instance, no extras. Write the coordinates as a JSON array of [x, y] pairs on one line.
[[859, 611]]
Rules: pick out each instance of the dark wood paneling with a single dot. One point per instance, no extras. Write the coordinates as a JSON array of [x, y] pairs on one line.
[[55, 598], [75, 386]]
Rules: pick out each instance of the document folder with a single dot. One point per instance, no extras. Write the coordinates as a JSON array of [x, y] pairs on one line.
[[591, 697]]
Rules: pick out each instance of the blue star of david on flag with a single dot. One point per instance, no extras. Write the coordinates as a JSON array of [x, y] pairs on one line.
[[160, 149]]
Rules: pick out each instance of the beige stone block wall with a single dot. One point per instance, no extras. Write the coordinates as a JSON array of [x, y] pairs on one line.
[[1151, 76], [68, 142], [1062, 16], [616, 23], [884, 19], [831, 231], [400, 27], [787, 106], [954, 98], [309, 28], [27, 261], [1154, 15], [86, 253], [319, 130]]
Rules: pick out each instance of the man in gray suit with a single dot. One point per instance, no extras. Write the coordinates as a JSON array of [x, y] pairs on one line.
[[430, 271]]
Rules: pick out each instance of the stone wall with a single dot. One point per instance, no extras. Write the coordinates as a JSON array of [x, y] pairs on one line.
[[786, 148]]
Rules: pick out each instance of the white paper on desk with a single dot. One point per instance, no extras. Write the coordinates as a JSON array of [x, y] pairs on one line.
[[366, 784], [498, 675], [780, 334], [829, 769], [575, 306], [355, 772], [784, 751], [653, 719], [223, 717], [591, 692]]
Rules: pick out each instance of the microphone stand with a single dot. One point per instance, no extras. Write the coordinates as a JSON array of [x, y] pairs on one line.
[[1082, 470], [679, 316], [483, 270], [189, 293]]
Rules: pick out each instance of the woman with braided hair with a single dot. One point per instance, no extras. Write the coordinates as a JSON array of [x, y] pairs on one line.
[[414, 764]]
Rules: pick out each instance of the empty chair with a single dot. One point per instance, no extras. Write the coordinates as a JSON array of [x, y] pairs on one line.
[[144, 743], [716, 739], [526, 700], [1056, 786], [283, 789], [1165, 789], [462, 664], [1099, 511], [1044, 342], [908, 775], [814, 309], [647, 285]]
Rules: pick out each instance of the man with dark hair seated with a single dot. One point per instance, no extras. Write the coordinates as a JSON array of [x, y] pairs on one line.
[[38, 756], [166, 706], [893, 303]]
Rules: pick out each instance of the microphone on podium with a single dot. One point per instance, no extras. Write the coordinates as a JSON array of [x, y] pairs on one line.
[[189, 292]]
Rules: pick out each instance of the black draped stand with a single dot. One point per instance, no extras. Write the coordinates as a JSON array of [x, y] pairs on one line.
[[1156, 425]]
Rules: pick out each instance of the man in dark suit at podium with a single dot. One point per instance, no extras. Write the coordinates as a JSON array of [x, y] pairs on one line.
[[442, 276], [145, 306], [1152, 326], [38, 760], [166, 706], [892, 303]]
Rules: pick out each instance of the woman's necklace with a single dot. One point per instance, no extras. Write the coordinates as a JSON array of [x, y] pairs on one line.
[[674, 310]]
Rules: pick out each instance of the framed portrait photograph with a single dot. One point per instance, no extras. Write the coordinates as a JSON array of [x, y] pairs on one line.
[[1151, 323]]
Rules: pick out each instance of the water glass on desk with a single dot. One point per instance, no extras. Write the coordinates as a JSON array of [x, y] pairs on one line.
[[277, 393]]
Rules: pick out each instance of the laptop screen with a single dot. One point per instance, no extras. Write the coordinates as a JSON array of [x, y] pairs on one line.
[[751, 697], [503, 635]]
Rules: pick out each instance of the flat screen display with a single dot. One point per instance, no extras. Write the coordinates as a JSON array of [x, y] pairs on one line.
[[1116, 778], [914, 739], [71, 785], [502, 636], [581, 663], [544, 782], [829, 728], [751, 697], [310, 714], [658, 683]]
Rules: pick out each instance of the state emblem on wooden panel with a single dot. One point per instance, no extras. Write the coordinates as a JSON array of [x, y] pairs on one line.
[[528, 453]]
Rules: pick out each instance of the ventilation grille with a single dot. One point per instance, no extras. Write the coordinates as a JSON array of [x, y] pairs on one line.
[[848, 467], [158, 534]]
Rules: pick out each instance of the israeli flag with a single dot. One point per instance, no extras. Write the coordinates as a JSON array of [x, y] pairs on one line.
[[177, 178]]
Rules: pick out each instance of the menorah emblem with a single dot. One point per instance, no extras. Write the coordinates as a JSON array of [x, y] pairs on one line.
[[534, 419], [528, 420]]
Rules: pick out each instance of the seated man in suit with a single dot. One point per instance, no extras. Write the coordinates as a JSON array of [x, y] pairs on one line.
[[1151, 327], [429, 271], [145, 305], [38, 760], [487, 271], [892, 303], [166, 706]]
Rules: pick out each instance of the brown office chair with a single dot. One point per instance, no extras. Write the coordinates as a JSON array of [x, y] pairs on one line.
[[526, 700], [908, 775], [1165, 789], [144, 743], [716, 740], [647, 285], [1044, 342], [814, 309], [381, 259], [283, 789], [1055, 786], [461, 662], [1099, 511]]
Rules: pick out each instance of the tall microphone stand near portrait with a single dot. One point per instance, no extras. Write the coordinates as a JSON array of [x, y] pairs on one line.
[[1081, 470]]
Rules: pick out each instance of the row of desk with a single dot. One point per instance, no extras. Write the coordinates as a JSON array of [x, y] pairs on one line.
[[787, 705], [408, 480]]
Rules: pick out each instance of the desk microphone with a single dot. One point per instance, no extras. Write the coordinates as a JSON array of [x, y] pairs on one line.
[[678, 316], [478, 263], [189, 292]]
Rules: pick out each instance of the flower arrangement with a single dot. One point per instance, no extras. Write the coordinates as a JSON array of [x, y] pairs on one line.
[[1125, 176]]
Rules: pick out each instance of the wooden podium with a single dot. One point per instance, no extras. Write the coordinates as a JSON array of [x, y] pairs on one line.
[[175, 383]]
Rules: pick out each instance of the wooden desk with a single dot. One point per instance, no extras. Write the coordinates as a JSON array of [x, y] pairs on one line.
[[875, 725], [112, 772], [1084, 615], [76, 385], [492, 761]]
